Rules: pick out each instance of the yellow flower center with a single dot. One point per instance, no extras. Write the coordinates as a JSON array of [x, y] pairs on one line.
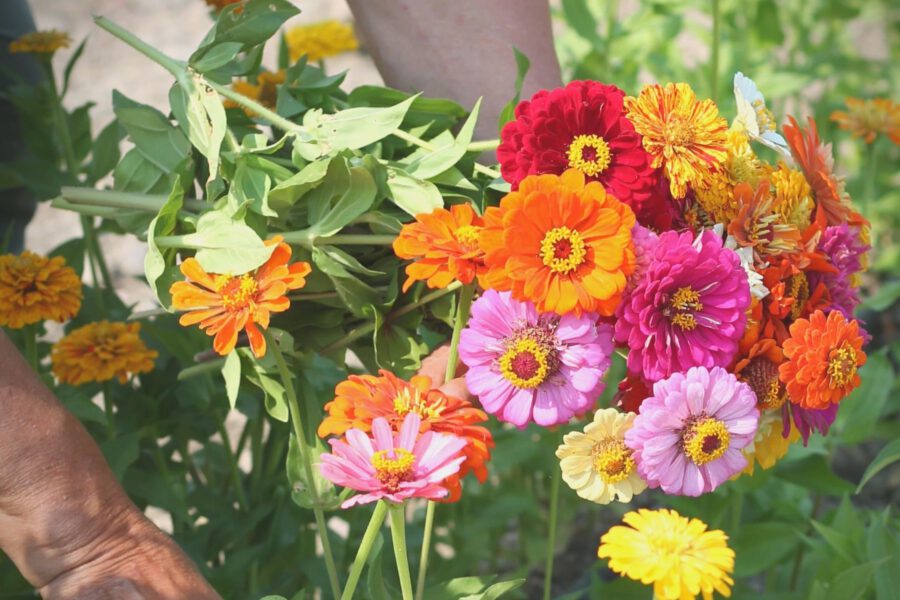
[[589, 154], [236, 292], [468, 235], [392, 470], [800, 294], [762, 377], [841, 366], [764, 117], [527, 362], [613, 461], [679, 132], [412, 401], [563, 250], [680, 310], [705, 439]]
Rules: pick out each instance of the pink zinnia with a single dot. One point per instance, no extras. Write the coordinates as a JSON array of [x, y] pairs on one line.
[[689, 435], [525, 366], [393, 468], [807, 420], [689, 309], [846, 252]]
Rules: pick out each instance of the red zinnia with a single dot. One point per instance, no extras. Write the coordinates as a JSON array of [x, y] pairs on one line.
[[581, 126]]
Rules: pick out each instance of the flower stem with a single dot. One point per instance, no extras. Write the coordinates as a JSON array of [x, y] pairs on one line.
[[151, 203], [110, 414], [714, 51], [31, 352], [173, 66], [362, 553], [551, 534], [417, 141], [297, 423], [200, 369], [426, 550], [398, 535], [483, 145], [232, 466]]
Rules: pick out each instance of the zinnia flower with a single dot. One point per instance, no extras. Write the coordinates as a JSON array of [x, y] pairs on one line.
[[758, 226], [817, 163], [526, 366], [320, 40], [560, 243], [443, 245], [684, 136], [792, 196], [34, 288], [391, 467], [689, 435], [40, 42], [689, 309], [769, 445], [675, 554], [846, 253], [823, 355], [100, 351], [597, 464], [759, 369], [869, 118], [806, 421], [362, 398], [753, 116], [223, 304], [580, 126]]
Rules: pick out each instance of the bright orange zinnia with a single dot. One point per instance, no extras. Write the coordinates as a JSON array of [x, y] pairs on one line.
[[443, 245], [560, 243], [223, 304], [823, 356], [362, 398]]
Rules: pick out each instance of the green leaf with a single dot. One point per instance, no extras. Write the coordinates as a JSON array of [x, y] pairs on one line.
[[852, 583], [354, 128], [156, 262], [249, 189], [210, 58], [838, 541], [357, 199], [121, 452], [413, 195], [200, 113], [758, 546], [375, 584], [447, 154], [286, 193], [134, 173], [861, 411], [883, 540], [70, 65], [226, 246], [341, 263], [104, 152], [813, 473], [251, 23], [582, 21], [884, 298], [458, 587], [153, 135], [886, 457], [231, 372], [300, 486], [396, 348], [497, 590], [509, 111]]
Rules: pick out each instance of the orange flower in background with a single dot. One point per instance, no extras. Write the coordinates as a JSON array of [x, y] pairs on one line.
[[40, 42], [560, 243], [101, 351], [685, 136], [869, 118], [224, 304], [443, 245], [817, 163], [362, 398], [35, 288], [823, 356]]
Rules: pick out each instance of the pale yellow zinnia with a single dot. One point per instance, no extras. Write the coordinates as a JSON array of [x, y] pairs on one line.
[[769, 445], [597, 464], [35, 288], [320, 40], [101, 351], [677, 555]]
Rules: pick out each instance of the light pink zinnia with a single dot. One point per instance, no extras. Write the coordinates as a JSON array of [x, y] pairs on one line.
[[393, 468], [689, 435], [525, 366]]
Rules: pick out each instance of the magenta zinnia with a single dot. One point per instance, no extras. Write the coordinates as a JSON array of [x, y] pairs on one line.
[[689, 435], [525, 366], [846, 253], [390, 467], [688, 310]]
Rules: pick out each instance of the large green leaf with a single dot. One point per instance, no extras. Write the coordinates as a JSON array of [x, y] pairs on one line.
[[251, 23], [355, 200], [886, 457], [158, 141], [447, 154], [159, 265], [413, 195], [354, 127], [758, 546], [227, 246], [200, 113], [286, 193]]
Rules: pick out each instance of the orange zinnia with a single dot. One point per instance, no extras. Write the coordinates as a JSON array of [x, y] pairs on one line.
[[223, 304], [823, 355], [561, 244], [362, 398], [443, 245], [815, 159], [758, 368]]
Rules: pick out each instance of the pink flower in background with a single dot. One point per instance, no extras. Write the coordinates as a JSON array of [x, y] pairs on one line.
[[807, 420], [688, 436], [393, 468], [525, 366], [846, 252], [689, 309]]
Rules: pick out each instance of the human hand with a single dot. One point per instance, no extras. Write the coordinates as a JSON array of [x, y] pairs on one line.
[[435, 366]]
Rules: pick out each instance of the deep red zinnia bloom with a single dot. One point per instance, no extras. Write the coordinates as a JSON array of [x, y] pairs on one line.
[[581, 126]]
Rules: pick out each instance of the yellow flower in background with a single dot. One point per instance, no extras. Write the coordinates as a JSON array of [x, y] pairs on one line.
[[597, 464], [683, 135], [264, 91], [868, 118], [677, 555], [41, 42], [320, 40], [100, 351], [35, 288], [769, 445]]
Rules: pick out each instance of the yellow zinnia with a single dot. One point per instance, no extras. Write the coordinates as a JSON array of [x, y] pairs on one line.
[[675, 554], [792, 196], [100, 351], [684, 136], [320, 40], [597, 464], [769, 445], [264, 91], [40, 42], [35, 288]]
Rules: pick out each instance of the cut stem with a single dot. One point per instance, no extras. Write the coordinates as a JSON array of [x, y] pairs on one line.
[[483, 145], [398, 535], [551, 534], [362, 553], [151, 203]]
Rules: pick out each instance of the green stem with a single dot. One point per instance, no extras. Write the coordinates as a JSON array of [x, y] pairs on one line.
[[398, 535], [91, 211], [110, 413], [232, 466], [362, 553], [362, 330], [202, 368], [483, 145], [801, 549], [31, 350], [151, 203], [96, 252], [417, 141], [297, 423], [426, 550], [292, 237], [175, 67], [714, 51], [551, 534]]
